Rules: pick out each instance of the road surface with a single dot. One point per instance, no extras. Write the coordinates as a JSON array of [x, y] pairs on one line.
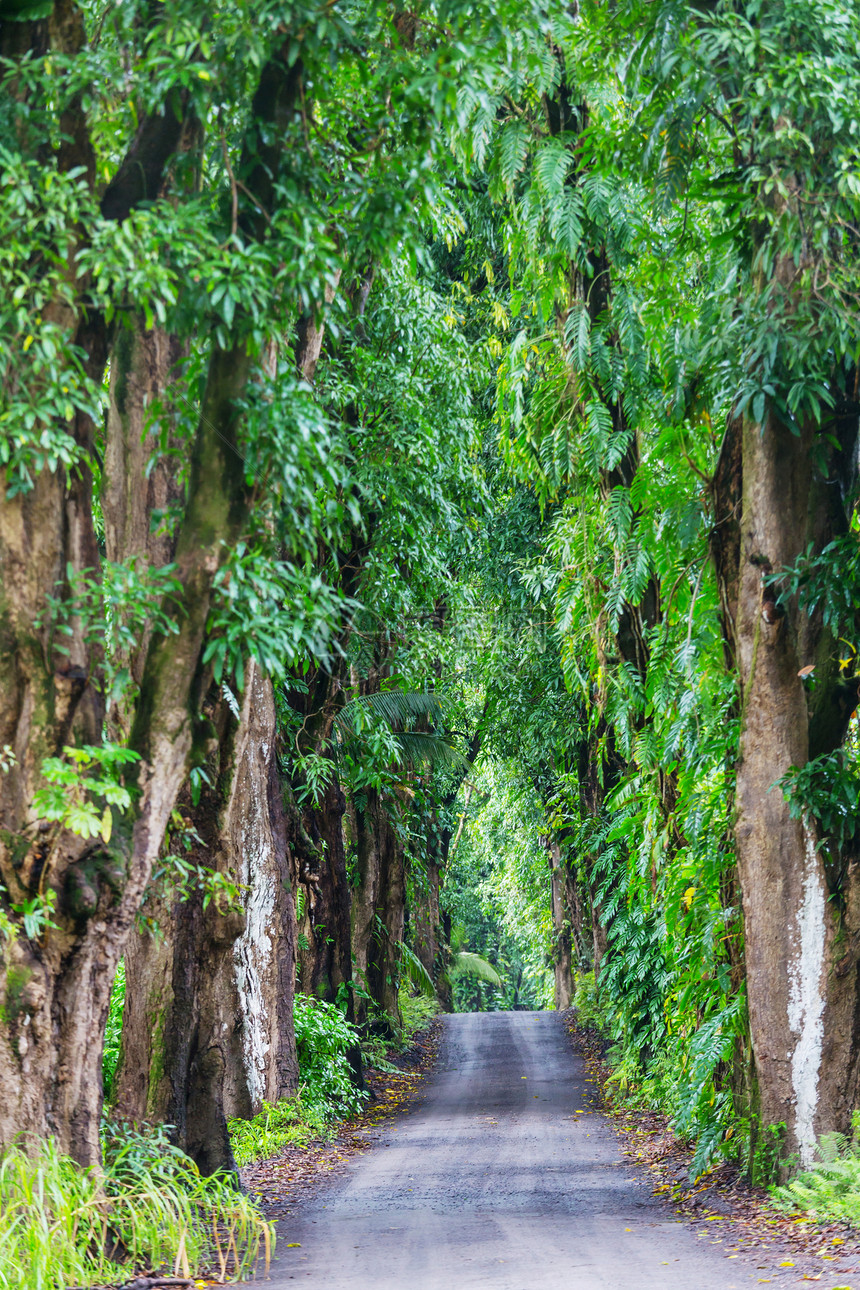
[[503, 1178]]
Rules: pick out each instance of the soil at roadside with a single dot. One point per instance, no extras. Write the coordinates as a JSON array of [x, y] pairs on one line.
[[722, 1198]]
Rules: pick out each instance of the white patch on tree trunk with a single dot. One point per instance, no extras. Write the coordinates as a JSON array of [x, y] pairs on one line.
[[806, 1001], [252, 953]]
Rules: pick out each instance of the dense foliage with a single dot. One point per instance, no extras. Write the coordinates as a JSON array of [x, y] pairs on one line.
[[429, 553]]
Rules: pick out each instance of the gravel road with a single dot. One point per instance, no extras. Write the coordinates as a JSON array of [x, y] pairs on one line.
[[502, 1178]]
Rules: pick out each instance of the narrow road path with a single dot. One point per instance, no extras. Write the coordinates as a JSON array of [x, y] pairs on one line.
[[503, 1178]]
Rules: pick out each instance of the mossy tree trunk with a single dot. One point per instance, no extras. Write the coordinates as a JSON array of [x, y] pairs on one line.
[[57, 976], [567, 925], [801, 924], [208, 1030], [378, 911], [427, 924]]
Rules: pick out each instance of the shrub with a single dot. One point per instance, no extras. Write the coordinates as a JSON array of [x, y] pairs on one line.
[[323, 1039], [113, 1031], [417, 1012], [326, 1090], [586, 1001]]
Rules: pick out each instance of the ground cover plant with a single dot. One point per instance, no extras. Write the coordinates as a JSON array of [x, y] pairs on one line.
[[327, 1095], [327, 1092]]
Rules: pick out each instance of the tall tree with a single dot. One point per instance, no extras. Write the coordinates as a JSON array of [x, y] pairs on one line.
[[175, 171]]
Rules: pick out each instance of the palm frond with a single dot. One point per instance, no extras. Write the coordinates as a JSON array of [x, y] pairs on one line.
[[415, 972], [419, 748], [397, 707], [465, 963]]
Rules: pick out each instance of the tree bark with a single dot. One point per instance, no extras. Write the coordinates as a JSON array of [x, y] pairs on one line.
[[325, 954], [208, 1031], [426, 921], [378, 913], [563, 953], [567, 923], [57, 984], [801, 953]]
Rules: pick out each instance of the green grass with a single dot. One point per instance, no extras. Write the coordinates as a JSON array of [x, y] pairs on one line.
[[62, 1225], [285, 1124]]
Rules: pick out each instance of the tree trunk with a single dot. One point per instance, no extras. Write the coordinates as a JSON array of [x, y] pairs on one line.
[[378, 914], [428, 930], [567, 923], [801, 954], [324, 954], [725, 550], [208, 1031], [317, 834], [57, 981]]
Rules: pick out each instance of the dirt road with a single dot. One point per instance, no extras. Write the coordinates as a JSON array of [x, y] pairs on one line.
[[503, 1178]]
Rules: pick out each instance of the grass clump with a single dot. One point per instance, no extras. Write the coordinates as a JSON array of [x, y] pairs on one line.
[[279, 1125], [829, 1192], [62, 1224]]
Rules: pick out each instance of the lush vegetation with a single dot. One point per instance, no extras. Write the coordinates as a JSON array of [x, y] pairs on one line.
[[326, 1094], [62, 1225], [429, 558], [831, 1191]]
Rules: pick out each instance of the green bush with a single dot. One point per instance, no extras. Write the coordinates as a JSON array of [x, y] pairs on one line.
[[417, 1012], [62, 1224], [586, 1001], [113, 1031], [323, 1039]]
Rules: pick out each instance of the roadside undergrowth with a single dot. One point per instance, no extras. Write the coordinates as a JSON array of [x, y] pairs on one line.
[[279, 1182], [327, 1096], [148, 1212]]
